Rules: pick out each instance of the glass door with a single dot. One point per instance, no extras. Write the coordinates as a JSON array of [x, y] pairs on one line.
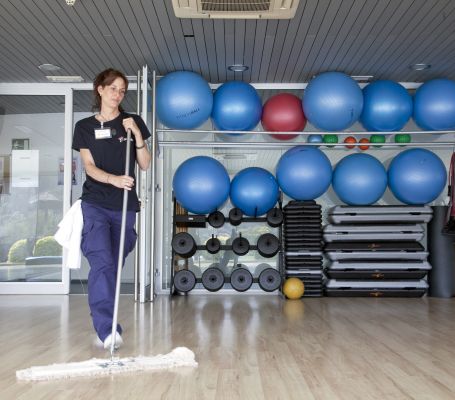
[[35, 179], [82, 108]]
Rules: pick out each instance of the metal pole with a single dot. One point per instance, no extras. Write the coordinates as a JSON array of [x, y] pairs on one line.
[[138, 220], [264, 145], [153, 184], [121, 247]]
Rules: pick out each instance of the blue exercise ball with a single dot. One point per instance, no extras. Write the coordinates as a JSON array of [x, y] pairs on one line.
[[332, 101], [417, 176], [387, 106], [254, 190], [359, 179], [184, 100], [236, 107], [201, 184], [434, 105], [304, 173]]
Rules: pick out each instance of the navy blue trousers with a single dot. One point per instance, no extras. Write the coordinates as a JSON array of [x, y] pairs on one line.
[[100, 245]]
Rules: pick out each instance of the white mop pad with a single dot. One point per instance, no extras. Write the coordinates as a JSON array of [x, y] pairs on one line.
[[179, 357]]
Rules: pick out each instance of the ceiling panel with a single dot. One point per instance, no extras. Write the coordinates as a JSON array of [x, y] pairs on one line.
[[359, 37]]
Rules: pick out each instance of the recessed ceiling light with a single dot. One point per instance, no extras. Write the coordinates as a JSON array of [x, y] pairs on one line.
[[362, 78], [420, 66], [238, 68], [64, 78], [49, 67]]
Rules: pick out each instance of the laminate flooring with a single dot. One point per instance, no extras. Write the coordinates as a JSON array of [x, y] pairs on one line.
[[247, 347]]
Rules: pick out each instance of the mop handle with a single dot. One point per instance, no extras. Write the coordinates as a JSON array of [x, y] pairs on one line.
[[121, 247]]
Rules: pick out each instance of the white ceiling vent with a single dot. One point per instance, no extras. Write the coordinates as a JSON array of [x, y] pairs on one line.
[[235, 9]]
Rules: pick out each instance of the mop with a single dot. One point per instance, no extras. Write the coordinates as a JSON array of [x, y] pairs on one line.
[[179, 357]]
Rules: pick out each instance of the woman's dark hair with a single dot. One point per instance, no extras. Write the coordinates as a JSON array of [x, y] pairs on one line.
[[105, 78]]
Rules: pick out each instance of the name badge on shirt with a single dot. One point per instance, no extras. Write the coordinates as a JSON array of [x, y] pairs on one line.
[[104, 133]]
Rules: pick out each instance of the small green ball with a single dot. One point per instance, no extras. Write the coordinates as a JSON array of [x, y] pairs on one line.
[[332, 139], [402, 138], [377, 139]]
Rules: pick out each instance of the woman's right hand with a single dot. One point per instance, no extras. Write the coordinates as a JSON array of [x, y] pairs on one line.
[[121, 181]]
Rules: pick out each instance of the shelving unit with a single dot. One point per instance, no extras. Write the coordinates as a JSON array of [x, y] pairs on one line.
[[257, 148]]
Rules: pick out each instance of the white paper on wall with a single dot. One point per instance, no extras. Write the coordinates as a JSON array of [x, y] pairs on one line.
[[25, 168]]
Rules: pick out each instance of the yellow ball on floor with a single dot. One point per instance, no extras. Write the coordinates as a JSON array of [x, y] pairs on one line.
[[293, 288]]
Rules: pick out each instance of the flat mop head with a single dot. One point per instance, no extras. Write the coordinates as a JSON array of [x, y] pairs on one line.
[[179, 357]]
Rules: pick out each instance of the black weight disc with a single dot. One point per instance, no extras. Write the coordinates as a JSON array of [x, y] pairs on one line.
[[213, 245], [235, 216], [275, 217], [216, 219], [184, 280], [184, 245], [241, 279], [268, 245], [240, 246], [213, 279], [269, 280]]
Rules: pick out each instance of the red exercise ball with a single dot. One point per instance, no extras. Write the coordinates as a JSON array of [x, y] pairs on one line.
[[283, 113]]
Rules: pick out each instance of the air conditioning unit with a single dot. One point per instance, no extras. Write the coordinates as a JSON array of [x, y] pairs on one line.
[[235, 9]]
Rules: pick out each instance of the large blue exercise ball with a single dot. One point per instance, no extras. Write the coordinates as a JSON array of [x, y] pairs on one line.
[[254, 190], [201, 184], [332, 101], [304, 173], [359, 179], [417, 176], [387, 106], [434, 105], [184, 100], [236, 107]]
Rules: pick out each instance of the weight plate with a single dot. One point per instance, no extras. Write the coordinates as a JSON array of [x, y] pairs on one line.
[[269, 280], [275, 217], [213, 279], [235, 216], [268, 245], [213, 245], [216, 219], [184, 280], [184, 245], [241, 279], [240, 246]]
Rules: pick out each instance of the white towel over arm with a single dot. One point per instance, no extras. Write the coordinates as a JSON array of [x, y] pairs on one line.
[[69, 235]]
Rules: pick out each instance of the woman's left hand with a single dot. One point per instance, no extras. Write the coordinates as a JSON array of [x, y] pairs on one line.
[[129, 123]]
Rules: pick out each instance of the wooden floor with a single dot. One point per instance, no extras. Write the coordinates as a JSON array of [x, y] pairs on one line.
[[248, 347]]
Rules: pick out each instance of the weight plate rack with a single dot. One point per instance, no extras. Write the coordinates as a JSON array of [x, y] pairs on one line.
[[303, 245], [184, 279]]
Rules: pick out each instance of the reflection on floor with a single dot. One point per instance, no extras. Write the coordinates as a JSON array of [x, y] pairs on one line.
[[248, 347]]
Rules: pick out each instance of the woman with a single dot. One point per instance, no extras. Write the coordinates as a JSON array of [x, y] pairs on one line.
[[101, 141]]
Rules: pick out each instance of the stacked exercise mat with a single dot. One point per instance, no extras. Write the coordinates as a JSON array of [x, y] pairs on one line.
[[376, 251], [302, 239]]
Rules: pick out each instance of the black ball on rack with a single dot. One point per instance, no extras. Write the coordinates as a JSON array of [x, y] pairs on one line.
[[241, 279], [216, 219], [240, 246], [184, 281], [275, 217], [184, 244], [235, 216]]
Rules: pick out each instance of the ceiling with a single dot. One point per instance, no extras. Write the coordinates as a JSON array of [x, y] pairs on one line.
[[360, 37]]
